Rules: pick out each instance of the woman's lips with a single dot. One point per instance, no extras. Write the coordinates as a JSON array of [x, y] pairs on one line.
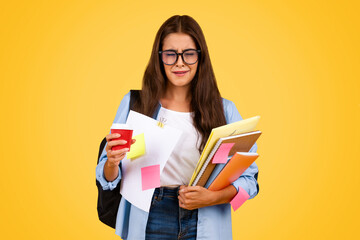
[[180, 73]]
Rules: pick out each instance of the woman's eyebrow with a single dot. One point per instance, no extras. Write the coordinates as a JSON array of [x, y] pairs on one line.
[[182, 50], [189, 49]]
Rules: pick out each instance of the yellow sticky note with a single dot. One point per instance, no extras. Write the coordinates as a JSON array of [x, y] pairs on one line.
[[138, 148]]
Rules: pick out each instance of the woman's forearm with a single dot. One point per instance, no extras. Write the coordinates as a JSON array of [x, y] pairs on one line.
[[225, 195], [110, 172]]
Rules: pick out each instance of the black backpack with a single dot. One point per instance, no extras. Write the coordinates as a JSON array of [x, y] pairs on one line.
[[109, 200]]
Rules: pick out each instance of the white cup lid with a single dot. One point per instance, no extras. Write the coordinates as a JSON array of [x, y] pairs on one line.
[[120, 126]]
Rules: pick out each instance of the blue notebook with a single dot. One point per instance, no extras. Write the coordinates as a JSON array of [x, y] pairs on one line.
[[219, 167]]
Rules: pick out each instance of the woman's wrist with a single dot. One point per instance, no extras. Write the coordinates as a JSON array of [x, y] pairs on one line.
[[110, 171], [225, 195], [110, 165]]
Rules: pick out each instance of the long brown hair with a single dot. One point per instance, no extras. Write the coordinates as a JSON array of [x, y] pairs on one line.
[[206, 102]]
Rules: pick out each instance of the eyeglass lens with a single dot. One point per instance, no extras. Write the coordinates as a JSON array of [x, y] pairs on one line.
[[189, 56]]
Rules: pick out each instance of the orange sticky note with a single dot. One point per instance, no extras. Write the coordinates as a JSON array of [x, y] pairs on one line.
[[222, 153], [239, 199], [150, 177]]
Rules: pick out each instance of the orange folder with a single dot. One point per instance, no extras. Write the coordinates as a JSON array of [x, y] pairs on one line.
[[233, 170]]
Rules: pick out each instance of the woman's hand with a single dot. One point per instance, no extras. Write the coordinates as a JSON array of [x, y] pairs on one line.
[[193, 197], [114, 157]]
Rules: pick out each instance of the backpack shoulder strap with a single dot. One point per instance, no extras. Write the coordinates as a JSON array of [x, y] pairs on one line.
[[134, 97], [102, 145]]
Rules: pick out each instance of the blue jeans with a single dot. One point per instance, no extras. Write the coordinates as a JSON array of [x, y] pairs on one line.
[[167, 220]]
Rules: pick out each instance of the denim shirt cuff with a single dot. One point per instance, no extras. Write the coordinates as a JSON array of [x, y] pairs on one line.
[[244, 184], [105, 184]]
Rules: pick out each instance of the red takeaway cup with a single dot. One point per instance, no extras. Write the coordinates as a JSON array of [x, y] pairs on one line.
[[125, 132]]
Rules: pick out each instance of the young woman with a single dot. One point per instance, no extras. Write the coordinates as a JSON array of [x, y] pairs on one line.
[[179, 85]]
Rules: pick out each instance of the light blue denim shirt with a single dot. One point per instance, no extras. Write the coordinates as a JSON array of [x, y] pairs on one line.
[[214, 222]]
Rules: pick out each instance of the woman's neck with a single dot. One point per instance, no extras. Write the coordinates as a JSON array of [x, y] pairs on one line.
[[177, 99]]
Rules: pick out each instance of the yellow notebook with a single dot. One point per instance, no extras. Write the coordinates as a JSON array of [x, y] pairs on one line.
[[243, 126]]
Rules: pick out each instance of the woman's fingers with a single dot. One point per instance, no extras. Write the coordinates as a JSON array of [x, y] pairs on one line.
[[184, 202], [116, 142], [195, 197], [112, 136], [182, 196], [109, 137], [118, 152], [111, 142], [181, 200], [114, 157]]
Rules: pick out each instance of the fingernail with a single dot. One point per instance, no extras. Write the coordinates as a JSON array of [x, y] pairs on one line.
[[117, 135]]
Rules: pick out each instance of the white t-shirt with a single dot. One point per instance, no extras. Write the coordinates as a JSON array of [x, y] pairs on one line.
[[182, 161]]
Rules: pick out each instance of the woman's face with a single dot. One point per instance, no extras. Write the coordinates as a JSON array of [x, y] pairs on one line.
[[180, 74]]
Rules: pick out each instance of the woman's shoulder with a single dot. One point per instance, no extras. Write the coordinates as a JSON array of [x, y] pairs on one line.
[[228, 105], [230, 111], [123, 109]]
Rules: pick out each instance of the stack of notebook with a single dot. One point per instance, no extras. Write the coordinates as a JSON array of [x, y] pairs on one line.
[[228, 157]]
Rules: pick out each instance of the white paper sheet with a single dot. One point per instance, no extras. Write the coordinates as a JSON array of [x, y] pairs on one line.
[[159, 142]]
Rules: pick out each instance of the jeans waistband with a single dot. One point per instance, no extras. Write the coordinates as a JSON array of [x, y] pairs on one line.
[[166, 191]]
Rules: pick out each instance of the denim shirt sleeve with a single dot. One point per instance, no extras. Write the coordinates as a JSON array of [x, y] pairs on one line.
[[247, 180], [121, 116]]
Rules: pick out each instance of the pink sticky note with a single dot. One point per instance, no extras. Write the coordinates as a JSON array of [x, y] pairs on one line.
[[222, 153], [150, 177], [239, 199]]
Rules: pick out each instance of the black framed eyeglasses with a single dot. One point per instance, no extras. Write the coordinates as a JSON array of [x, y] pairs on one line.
[[189, 56]]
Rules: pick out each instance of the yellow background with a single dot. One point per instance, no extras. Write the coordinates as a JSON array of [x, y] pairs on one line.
[[65, 65]]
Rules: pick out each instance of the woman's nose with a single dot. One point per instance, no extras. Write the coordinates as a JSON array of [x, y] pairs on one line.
[[180, 61]]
